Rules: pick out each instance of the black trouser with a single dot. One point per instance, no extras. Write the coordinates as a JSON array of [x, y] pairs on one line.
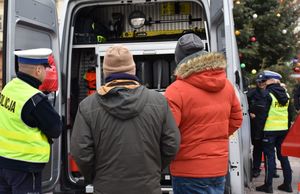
[[18, 182], [269, 145], [257, 154]]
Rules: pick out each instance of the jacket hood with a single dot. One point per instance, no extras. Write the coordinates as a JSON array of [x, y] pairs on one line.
[[124, 103], [279, 92], [200, 62], [211, 81]]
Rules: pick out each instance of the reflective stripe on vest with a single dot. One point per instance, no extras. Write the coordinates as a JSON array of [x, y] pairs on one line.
[[17, 140], [278, 116]]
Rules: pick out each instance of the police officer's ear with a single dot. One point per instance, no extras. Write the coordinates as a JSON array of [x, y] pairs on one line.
[[39, 69]]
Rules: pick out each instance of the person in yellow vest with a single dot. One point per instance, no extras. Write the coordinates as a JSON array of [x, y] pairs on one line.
[[275, 130], [28, 123]]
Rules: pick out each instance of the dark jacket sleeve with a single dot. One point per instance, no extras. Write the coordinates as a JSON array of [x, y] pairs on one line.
[[82, 146], [38, 112], [291, 114], [170, 139], [279, 93]]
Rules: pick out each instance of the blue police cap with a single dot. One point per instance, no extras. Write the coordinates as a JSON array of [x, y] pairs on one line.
[[272, 75], [261, 77]]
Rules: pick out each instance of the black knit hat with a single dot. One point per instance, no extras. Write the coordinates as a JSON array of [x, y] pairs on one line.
[[188, 44]]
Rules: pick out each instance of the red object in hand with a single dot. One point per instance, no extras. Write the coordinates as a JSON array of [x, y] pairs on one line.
[[50, 84]]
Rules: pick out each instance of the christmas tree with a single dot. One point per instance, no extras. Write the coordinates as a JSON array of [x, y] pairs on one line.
[[265, 31]]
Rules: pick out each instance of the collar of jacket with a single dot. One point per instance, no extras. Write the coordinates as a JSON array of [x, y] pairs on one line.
[[200, 62], [119, 76], [29, 79], [129, 84]]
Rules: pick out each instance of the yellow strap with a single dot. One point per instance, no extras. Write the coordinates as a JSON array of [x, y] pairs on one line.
[[275, 125], [278, 118], [23, 148], [15, 135]]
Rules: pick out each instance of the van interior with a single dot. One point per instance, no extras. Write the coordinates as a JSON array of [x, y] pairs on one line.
[[150, 31]]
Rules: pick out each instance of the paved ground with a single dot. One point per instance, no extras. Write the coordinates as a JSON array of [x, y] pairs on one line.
[[295, 164]]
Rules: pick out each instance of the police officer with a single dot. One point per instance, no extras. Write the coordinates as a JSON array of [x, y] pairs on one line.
[[258, 99], [28, 123], [275, 130]]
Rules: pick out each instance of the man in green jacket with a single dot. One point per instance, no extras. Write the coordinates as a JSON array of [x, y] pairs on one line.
[[124, 134]]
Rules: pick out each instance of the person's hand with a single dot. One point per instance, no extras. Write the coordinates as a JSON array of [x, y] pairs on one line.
[[252, 115], [292, 123], [272, 81]]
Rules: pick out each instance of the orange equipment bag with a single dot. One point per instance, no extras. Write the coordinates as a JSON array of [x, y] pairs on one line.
[[50, 84], [291, 144], [90, 78]]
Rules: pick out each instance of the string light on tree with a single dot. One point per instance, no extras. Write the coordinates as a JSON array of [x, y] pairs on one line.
[[254, 16], [253, 71], [243, 65], [284, 31], [253, 39], [278, 14], [238, 2]]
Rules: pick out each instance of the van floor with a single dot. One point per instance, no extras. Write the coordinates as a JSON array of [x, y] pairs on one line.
[[295, 165]]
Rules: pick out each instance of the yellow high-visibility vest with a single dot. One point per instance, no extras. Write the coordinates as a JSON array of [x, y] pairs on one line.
[[17, 140], [278, 116]]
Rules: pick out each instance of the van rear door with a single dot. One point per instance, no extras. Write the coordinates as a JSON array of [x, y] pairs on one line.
[[32, 24]]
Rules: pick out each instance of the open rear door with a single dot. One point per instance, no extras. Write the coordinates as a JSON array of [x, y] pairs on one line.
[[223, 40], [32, 24]]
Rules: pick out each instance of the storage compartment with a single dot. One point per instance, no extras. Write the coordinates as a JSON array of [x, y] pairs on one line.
[[154, 71], [162, 21]]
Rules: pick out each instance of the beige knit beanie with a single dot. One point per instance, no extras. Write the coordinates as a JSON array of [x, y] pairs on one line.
[[118, 59]]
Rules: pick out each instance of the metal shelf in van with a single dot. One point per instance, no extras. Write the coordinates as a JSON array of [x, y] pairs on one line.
[[143, 48], [84, 46]]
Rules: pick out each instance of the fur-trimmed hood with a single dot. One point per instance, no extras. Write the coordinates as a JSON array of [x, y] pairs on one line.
[[203, 70], [199, 62]]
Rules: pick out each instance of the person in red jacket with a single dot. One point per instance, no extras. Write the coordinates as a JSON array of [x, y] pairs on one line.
[[207, 111]]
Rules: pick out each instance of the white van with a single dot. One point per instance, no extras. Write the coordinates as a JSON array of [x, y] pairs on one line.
[[150, 29]]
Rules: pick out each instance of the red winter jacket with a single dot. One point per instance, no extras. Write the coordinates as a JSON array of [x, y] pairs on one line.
[[207, 112]]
